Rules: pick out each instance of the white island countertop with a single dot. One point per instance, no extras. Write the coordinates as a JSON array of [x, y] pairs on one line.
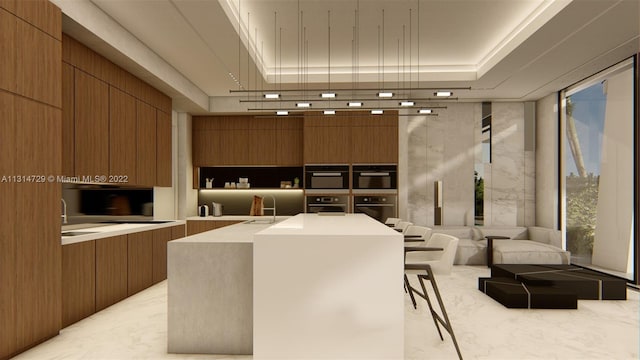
[[328, 287], [109, 230]]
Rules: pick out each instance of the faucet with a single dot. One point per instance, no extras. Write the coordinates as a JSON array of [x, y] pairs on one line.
[[273, 208], [64, 211]]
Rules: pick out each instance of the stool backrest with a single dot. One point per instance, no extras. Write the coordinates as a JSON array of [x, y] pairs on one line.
[[402, 226], [450, 245], [422, 231]]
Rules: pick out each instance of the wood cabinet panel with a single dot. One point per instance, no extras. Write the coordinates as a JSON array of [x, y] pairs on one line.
[[9, 5], [146, 144], [160, 239], [223, 223], [111, 270], [42, 14], [199, 226], [140, 261], [38, 253], [206, 147], [163, 149], [7, 233], [178, 232], [289, 141], [91, 125], [38, 56], [327, 144], [68, 120], [122, 135], [374, 145], [8, 51], [78, 281]]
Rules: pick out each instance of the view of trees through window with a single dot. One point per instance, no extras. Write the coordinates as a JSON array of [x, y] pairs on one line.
[[598, 170]]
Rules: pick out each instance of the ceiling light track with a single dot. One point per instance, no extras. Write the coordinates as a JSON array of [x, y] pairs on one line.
[[349, 89]]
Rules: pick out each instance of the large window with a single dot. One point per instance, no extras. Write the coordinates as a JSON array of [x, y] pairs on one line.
[[598, 122]]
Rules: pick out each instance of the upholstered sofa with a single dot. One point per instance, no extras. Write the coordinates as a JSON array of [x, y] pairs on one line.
[[532, 245]]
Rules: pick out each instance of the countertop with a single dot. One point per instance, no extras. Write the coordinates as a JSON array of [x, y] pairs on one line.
[[343, 224], [108, 230], [235, 217], [237, 233]]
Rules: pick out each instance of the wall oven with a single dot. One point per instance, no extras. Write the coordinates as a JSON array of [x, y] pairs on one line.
[[375, 177], [379, 207], [326, 177], [327, 203]]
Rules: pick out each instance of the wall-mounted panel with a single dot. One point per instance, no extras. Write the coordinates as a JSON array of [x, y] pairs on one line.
[[122, 135], [68, 120], [78, 281], [42, 14], [163, 149], [111, 270], [38, 57], [8, 51], [146, 144], [91, 125]]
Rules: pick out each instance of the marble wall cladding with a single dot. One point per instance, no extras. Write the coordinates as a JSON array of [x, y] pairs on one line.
[[546, 159], [440, 148], [447, 148], [508, 163]]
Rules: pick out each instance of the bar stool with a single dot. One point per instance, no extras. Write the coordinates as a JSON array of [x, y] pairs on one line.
[[424, 272]]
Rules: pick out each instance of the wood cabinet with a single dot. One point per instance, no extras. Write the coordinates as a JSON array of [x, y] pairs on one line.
[[7, 231], [146, 144], [163, 149], [111, 270], [160, 239], [327, 140], [41, 14], [91, 125], [139, 261], [289, 141], [374, 140], [353, 138], [246, 140], [37, 228], [78, 281], [199, 226], [8, 51], [37, 57], [68, 120], [129, 132], [178, 232], [122, 135]]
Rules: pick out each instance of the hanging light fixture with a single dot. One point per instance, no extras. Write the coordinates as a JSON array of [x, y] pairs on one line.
[[329, 112], [407, 103], [442, 93], [425, 111]]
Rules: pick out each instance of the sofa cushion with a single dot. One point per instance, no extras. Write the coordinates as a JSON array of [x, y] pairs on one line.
[[461, 232], [471, 252], [527, 252]]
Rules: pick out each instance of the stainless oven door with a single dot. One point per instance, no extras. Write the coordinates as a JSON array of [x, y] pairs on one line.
[[326, 180], [317, 208], [374, 180], [379, 207]]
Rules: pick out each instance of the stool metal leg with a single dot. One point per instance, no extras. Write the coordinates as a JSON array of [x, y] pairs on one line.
[[437, 320], [408, 288], [446, 322]]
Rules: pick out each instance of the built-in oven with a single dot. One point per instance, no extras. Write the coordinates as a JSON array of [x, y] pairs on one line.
[[326, 177], [327, 203], [375, 177], [379, 207]]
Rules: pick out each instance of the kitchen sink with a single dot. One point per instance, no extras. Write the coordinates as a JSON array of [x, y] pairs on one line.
[[137, 221], [260, 221], [77, 233]]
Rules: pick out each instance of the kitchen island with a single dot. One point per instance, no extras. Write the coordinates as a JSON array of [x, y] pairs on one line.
[[307, 287]]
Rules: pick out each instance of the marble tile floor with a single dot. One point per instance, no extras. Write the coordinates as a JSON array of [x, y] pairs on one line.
[[136, 328]]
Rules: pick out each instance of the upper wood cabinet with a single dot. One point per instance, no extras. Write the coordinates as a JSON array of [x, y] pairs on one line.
[[163, 149], [352, 138], [91, 125], [8, 51], [327, 140], [122, 135], [289, 141], [68, 120], [42, 14], [37, 57], [146, 144], [114, 123], [374, 140], [243, 140]]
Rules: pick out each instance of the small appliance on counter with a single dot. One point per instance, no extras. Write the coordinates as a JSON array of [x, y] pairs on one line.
[[203, 211], [216, 209]]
